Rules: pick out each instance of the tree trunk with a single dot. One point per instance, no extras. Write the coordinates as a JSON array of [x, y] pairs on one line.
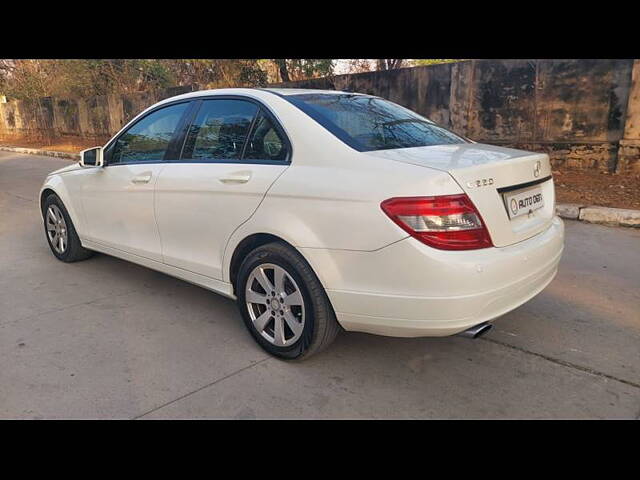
[[389, 63], [282, 68]]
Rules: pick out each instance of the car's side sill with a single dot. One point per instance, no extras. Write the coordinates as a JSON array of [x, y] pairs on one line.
[[217, 286]]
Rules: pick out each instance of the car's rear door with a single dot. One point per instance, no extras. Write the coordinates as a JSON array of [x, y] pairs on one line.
[[233, 152], [118, 200]]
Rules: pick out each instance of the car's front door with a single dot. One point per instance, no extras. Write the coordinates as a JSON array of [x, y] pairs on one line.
[[234, 151], [118, 199]]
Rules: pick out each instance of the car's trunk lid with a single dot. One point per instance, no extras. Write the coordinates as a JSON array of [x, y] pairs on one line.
[[492, 177]]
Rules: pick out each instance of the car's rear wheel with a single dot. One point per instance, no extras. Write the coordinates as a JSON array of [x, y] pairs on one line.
[[60, 232], [283, 303]]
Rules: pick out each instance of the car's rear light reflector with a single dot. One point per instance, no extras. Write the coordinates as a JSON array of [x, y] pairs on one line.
[[447, 222]]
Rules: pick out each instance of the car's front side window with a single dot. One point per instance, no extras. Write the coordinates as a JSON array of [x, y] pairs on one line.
[[219, 130], [148, 139]]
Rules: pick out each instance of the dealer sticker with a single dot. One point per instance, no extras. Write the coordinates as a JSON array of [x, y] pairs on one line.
[[524, 202]]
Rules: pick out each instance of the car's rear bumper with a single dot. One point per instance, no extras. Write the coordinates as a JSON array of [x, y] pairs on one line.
[[408, 289]]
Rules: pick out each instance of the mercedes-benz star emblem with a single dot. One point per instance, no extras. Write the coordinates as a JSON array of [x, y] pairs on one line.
[[536, 169]]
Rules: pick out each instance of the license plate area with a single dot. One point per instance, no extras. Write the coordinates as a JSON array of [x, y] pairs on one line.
[[523, 201]]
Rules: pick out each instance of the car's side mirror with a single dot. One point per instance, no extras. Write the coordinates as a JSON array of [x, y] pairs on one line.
[[91, 157]]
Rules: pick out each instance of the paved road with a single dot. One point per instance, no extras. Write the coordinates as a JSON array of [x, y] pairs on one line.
[[108, 339]]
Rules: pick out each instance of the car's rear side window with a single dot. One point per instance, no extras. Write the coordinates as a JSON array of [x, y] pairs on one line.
[[219, 130], [369, 123], [266, 142]]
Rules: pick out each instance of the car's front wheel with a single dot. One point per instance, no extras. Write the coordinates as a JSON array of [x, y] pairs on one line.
[[283, 304], [60, 232]]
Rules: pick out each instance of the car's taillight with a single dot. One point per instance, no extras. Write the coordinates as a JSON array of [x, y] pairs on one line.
[[447, 222]]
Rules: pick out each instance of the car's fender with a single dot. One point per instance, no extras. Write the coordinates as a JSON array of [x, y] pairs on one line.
[[57, 184], [332, 206]]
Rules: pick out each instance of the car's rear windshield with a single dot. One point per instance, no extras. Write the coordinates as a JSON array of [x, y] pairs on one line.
[[369, 123]]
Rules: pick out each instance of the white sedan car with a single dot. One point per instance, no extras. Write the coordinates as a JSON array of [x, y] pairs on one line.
[[315, 210]]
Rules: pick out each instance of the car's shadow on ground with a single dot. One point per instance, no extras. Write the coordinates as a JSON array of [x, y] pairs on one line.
[[224, 311]]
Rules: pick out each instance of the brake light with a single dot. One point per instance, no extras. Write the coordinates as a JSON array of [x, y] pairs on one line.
[[447, 222]]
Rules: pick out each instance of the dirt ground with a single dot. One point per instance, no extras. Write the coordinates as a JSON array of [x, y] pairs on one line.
[[596, 188], [58, 145], [572, 186]]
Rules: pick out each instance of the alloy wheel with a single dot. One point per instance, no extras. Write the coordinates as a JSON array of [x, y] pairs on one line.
[[56, 229], [275, 304]]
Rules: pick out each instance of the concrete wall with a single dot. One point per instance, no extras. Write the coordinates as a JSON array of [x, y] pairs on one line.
[[584, 113], [578, 111], [96, 118], [629, 152]]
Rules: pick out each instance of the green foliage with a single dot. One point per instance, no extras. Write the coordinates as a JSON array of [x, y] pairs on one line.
[[301, 69], [433, 61], [309, 68], [251, 74], [156, 74], [22, 79], [31, 79]]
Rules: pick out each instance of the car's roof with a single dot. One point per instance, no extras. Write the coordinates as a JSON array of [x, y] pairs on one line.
[[252, 92], [304, 91], [260, 93]]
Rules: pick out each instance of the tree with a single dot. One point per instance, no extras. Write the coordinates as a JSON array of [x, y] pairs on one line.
[[294, 69], [433, 61], [31, 79], [389, 63], [24, 79], [358, 65], [217, 73], [281, 63]]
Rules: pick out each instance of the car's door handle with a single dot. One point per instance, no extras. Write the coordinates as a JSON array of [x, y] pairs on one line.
[[144, 178], [238, 177]]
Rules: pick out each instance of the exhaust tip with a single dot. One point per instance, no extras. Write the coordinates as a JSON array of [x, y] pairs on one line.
[[477, 330]]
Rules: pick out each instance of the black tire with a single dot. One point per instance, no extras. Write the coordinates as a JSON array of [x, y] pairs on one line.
[[320, 324], [74, 251]]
